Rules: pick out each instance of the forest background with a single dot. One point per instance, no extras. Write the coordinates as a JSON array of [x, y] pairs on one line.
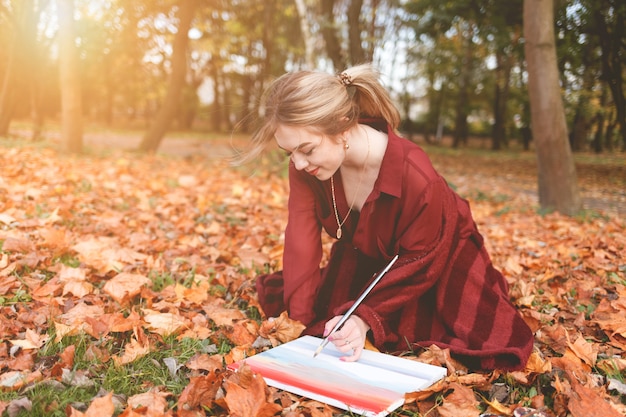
[[132, 273]]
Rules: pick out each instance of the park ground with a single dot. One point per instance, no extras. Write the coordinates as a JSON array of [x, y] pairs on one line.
[[127, 281]]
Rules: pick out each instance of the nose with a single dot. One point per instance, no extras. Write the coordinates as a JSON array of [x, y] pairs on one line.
[[299, 161]]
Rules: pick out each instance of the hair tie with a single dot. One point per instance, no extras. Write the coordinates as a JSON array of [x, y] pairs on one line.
[[345, 79]]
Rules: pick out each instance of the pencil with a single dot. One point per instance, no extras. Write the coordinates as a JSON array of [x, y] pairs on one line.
[[348, 313]]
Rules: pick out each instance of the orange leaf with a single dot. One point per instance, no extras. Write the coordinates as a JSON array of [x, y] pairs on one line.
[[460, 403], [281, 329], [123, 287], [587, 402], [164, 323], [201, 391], [155, 402], [246, 395], [100, 407]]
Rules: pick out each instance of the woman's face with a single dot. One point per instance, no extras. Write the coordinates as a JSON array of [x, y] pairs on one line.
[[317, 154]]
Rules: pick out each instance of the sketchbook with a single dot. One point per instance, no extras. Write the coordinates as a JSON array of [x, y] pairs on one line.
[[375, 385]]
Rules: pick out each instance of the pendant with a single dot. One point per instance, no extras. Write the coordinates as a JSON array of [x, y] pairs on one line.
[[339, 233]]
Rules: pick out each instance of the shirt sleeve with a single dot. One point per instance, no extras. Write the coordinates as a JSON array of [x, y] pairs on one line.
[[303, 250]]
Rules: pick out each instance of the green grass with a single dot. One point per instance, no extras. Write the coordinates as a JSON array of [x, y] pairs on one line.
[[163, 367]]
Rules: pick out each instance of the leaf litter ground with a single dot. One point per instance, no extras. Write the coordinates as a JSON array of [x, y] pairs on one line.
[[134, 268]]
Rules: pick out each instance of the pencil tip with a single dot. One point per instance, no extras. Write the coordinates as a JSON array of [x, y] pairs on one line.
[[317, 351]]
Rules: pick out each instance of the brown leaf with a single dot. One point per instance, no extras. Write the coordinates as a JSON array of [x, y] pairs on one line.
[[588, 402], [164, 323], [67, 357], [100, 407], [154, 401], [222, 316], [201, 391], [460, 403], [246, 395], [21, 245], [205, 362], [281, 329], [123, 287]]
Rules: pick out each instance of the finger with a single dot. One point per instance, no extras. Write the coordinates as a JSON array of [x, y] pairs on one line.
[[356, 354], [330, 324]]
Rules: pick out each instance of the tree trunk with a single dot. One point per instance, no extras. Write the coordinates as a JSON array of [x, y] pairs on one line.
[[461, 131], [307, 34], [71, 103], [598, 137], [329, 33], [558, 188], [611, 41], [165, 115], [7, 95], [502, 90], [357, 53]]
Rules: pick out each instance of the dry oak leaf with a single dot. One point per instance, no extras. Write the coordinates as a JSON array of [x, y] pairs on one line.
[[123, 287], [222, 316], [584, 350], [205, 362], [435, 355], [15, 380], [239, 334], [100, 407], [135, 349], [13, 244], [75, 281], [74, 321], [104, 254], [201, 391], [281, 329], [437, 387], [24, 360], [460, 403], [164, 324], [32, 340], [54, 238], [247, 395], [537, 364], [588, 402], [154, 401]]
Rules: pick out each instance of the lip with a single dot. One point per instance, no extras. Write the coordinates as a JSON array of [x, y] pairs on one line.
[[314, 172]]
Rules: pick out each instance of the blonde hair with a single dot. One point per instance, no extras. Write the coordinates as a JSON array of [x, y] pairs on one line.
[[329, 104]]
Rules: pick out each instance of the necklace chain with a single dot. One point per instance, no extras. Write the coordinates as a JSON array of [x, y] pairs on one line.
[[340, 223]]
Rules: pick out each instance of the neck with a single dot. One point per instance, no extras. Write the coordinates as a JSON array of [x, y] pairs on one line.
[[360, 151]]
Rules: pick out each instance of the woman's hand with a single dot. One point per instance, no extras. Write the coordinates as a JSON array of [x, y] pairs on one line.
[[351, 336]]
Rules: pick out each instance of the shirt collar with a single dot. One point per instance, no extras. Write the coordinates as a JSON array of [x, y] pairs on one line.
[[390, 174]]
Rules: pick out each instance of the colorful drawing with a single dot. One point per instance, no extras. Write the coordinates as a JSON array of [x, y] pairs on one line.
[[373, 386]]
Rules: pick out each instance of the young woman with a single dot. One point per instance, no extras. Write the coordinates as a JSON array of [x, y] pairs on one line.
[[378, 195]]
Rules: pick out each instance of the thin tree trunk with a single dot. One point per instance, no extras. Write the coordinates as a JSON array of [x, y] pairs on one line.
[[329, 33], [307, 34], [7, 93], [165, 115], [71, 103], [357, 53], [558, 188], [611, 41], [462, 105]]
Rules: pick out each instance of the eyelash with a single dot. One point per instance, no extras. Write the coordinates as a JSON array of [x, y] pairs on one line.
[[307, 153]]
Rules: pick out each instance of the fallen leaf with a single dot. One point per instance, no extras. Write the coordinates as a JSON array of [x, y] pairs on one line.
[[246, 395], [460, 403], [99, 407], [123, 287]]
